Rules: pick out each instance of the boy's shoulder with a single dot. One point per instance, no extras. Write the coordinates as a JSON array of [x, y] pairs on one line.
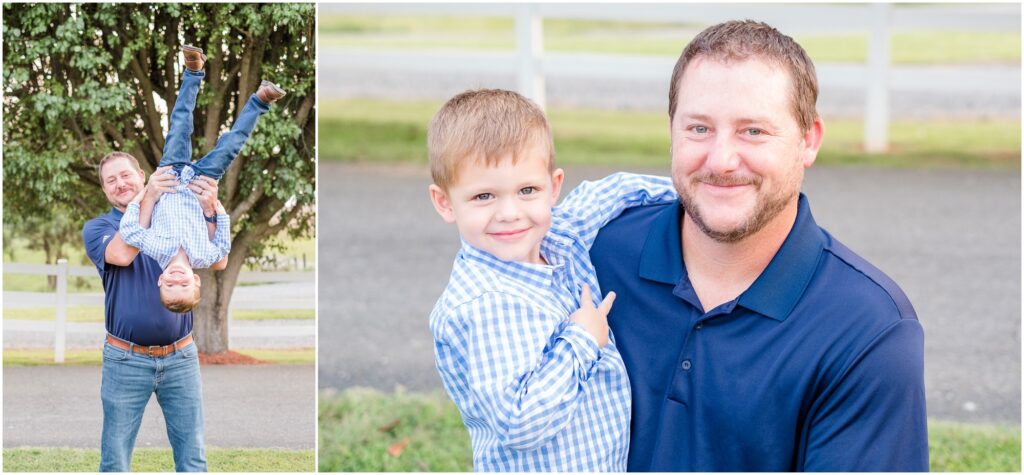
[[469, 281]]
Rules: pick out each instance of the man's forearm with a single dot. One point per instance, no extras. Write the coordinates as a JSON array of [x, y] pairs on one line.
[[119, 253], [146, 207]]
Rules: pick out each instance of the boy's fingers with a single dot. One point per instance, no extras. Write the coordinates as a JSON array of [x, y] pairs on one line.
[[585, 298], [606, 304]]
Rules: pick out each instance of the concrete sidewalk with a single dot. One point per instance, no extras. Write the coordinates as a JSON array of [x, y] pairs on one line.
[[265, 406]]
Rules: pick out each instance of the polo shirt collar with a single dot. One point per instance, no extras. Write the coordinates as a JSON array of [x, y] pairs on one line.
[[778, 289], [116, 213], [775, 292]]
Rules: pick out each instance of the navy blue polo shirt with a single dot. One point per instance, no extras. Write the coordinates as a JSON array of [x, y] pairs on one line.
[[818, 366], [132, 299]]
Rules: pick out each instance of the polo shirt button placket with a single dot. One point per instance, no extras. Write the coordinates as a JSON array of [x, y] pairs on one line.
[[686, 365]]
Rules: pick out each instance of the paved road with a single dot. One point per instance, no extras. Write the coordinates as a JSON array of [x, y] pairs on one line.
[[952, 239], [245, 406]]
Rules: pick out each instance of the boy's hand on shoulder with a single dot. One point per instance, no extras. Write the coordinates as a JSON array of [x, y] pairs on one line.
[[594, 319], [161, 182]]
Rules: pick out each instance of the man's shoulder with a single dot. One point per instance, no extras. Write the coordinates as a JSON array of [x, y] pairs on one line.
[[636, 220], [858, 281], [102, 221]]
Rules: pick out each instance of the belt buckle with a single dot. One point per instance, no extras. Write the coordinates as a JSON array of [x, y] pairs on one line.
[[149, 349]]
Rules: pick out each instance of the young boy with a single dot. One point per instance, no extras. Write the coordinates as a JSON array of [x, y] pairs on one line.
[[521, 334], [180, 238]]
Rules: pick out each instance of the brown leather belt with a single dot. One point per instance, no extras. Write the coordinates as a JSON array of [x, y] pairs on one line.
[[157, 350]]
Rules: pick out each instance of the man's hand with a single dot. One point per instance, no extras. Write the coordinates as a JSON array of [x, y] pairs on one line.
[[594, 320], [205, 189], [160, 182]]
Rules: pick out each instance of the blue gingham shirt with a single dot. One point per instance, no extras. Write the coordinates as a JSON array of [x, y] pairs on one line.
[[178, 222], [535, 391]]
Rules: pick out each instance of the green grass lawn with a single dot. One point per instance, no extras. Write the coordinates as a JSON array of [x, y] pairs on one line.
[[94, 357], [381, 131], [358, 426], [428, 32], [94, 314], [32, 459]]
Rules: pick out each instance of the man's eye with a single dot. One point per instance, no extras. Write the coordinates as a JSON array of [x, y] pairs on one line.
[[528, 190], [754, 132], [700, 129], [483, 196]]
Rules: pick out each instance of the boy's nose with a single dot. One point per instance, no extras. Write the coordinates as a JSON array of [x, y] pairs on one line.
[[508, 210]]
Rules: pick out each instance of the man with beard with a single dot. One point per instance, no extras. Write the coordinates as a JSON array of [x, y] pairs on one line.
[[148, 349], [755, 341]]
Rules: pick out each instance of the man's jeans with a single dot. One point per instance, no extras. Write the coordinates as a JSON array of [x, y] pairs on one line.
[[178, 144], [129, 380]]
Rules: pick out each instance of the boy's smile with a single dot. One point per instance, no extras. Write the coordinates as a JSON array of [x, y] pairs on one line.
[[504, 210]]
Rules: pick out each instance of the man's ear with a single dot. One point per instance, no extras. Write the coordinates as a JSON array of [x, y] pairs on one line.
[[198, 283], [557, 177], [160, 281], [442, 204], [812, 141]]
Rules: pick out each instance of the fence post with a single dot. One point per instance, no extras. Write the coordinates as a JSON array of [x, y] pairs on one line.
[[62, 311], [530, 42], [876, 109]]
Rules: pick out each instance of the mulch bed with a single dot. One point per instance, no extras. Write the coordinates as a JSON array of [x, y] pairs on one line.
[[228, 357]]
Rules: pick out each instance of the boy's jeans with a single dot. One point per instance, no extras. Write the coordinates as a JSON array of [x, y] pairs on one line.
[[178, 144], [129, 380]]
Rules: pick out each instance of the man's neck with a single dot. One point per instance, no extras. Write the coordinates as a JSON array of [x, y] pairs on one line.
[[720, 272]]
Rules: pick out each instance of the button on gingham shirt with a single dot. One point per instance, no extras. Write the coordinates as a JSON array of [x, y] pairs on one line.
[[535, 391], [178, 222]]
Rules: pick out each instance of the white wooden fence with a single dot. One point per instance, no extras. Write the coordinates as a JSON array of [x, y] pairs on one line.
[[62, 298], [877, 19]]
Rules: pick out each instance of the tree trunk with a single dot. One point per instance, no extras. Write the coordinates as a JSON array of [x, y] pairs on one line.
[[210, 317]]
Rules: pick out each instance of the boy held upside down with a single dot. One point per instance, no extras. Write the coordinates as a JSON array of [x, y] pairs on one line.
[[176, 232]]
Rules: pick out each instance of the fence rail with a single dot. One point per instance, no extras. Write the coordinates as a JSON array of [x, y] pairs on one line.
[[530, 63], [61, 298]]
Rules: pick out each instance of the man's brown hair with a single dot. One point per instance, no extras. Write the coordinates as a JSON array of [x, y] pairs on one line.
[[182, 305], [115, 155], [483, 125], [743, 40]]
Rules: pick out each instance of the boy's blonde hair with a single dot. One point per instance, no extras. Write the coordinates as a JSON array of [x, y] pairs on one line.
[[483, 125], [180, 305]]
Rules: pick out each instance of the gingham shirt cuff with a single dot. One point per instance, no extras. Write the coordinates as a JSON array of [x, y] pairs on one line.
[[584, 347]]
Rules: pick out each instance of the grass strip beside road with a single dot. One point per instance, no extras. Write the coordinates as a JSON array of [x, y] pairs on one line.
[[94, 357], [33, 459], [359, 426], [360, 130]]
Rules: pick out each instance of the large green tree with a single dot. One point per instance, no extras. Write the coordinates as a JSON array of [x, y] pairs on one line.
[[82, 80]]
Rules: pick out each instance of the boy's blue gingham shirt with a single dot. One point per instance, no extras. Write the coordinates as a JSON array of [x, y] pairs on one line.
[[178, 223], [535, 391]]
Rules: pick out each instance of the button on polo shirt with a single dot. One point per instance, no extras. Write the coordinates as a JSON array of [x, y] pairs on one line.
[[817, 366]]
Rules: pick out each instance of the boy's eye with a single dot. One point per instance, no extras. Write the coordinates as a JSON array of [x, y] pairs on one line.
[[483, 197], [528, 190]]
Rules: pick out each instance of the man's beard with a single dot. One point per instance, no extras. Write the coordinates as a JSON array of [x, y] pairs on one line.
[[766, 207]]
